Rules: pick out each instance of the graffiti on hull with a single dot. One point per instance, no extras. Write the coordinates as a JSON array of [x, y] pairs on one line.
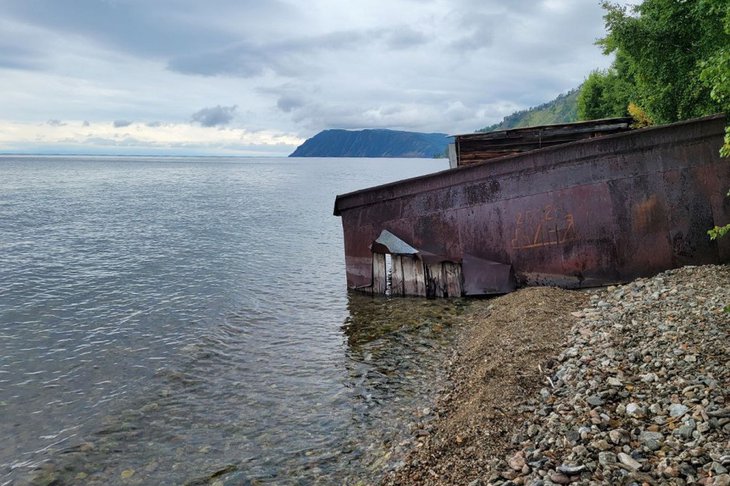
[[547, 226]]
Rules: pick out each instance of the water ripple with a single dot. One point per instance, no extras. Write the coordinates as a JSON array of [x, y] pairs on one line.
[[187, 319]]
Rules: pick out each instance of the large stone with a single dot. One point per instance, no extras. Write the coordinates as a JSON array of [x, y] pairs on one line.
[[595, 401], [629, 461], [677, 410], [616, 436], [606, 458], [722, 480], [651, 440], [613, 381], [559, 478], [517, 462], [634, 410], [571, 470]]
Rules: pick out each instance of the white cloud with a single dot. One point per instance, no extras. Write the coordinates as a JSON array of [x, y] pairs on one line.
[[439, 65], [137, 137]]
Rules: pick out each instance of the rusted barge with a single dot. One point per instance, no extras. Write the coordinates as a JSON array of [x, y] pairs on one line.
[[590, 212]]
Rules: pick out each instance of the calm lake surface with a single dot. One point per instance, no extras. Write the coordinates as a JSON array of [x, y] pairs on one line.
[[186, 321]]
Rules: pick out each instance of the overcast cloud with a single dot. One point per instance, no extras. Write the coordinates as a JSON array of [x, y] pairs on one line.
[[297, 67], [215, 116]]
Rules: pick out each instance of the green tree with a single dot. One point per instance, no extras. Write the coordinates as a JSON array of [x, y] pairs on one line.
[[603, 95], [671, 56], [607, 94], [716, 75], [716, 69]]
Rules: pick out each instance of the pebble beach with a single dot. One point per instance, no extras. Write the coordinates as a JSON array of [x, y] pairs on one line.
[[631, 386]]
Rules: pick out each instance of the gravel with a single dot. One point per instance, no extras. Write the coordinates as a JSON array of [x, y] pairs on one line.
[[637, 393]]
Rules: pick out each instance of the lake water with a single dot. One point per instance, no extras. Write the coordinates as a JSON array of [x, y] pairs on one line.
[[186, 321]]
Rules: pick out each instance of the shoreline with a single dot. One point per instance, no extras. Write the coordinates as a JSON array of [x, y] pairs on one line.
[[626, 384]]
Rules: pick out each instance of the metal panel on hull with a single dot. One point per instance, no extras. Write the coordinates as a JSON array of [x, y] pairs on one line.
[[587, 213]]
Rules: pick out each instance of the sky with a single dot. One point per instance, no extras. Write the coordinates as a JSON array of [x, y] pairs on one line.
[[258, 77]]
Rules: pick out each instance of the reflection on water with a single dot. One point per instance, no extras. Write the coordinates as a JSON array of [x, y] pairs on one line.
[[371, 318], [168, 321], [393, 368], [397, 352]]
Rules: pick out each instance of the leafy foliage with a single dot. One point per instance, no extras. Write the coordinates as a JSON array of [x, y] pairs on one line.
[[719, 231], [716, 70], [672, 60], [641, 119], [607, 94]]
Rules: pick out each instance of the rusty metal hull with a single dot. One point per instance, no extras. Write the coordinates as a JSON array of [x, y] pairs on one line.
[[587, 213]]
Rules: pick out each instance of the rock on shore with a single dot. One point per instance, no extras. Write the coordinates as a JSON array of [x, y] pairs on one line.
[[638, 393]]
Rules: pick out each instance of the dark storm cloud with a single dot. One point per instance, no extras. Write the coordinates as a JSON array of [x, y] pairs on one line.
[[215, 115], [122, 123]]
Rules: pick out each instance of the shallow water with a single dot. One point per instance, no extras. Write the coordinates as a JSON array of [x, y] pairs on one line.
[[172, 321]]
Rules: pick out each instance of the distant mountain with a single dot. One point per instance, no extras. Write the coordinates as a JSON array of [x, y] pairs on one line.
[[394, 143], [373, 143], [563, 109]]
